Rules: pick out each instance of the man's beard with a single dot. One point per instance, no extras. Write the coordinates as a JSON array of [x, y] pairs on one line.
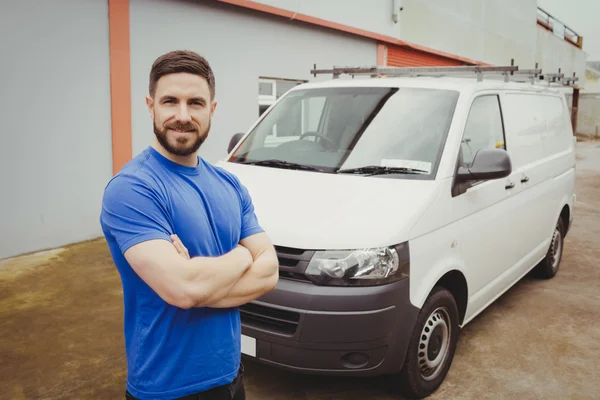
[[184, 147]]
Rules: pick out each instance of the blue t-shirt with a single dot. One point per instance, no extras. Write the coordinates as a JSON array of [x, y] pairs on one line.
[[173, 352]]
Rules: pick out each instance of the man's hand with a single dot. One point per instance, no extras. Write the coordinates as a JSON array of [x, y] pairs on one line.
[[260, 278], [181, 249]]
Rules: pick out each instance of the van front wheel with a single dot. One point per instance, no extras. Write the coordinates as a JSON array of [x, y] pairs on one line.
[[432, 345]]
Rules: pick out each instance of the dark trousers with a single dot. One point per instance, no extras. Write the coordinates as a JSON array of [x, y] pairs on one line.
[[233, 391]]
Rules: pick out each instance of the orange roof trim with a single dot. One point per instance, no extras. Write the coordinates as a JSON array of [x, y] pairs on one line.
[[344, 28]]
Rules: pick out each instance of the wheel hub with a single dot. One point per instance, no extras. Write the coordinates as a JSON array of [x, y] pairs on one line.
[[434, 344]]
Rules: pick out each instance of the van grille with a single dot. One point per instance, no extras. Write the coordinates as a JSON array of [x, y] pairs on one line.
[[293, 262], [270, 319]]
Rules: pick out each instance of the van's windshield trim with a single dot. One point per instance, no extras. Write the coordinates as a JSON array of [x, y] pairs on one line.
[[342, 117]]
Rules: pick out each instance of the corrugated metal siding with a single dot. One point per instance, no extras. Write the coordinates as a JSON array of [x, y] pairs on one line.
[[398, 56]]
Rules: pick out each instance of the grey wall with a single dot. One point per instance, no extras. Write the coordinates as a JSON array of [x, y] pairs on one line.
[[370, 15], [55, 156], [241, 45]]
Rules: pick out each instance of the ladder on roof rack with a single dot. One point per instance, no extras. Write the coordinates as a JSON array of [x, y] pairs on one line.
[[508, 71]]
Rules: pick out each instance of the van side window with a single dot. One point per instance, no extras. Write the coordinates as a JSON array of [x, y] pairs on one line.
[[484, 129]]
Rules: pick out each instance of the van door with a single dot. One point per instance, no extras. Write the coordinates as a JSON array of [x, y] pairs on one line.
[[483, 210], [528, 128]]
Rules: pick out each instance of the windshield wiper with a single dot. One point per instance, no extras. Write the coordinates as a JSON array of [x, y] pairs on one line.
[[283, 164], [381, 170]]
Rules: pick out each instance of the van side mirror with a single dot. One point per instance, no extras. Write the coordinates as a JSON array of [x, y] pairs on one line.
[[488, 164], [234, 141]]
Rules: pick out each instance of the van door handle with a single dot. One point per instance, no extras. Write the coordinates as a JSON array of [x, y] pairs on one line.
[[524, 179], [509, 185]]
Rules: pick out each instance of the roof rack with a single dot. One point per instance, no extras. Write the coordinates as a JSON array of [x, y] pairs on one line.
[[509, 72]]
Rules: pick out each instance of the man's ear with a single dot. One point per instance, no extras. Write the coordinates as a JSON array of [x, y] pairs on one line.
[[150, 104], [213, 106]]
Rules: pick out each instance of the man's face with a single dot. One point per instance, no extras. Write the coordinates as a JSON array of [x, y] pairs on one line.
[[181, 110]]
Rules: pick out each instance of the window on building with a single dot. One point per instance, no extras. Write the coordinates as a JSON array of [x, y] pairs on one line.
[[271, 89], [484, 129]]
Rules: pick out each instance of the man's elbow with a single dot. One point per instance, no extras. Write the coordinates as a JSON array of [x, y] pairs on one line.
[[271, 282], [187, 299], [273, 277], [182, 302]]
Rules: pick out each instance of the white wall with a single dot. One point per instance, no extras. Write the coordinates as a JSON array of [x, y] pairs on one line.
[[582, 17], [588, 117], [370, 15], [55, 156], [554, 53], [241, 45], [492, 31], [591, 83]]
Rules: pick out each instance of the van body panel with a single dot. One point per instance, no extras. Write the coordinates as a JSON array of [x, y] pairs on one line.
[[310, 210], [539, 141], [480, 301], [304, 327], [434, 255]]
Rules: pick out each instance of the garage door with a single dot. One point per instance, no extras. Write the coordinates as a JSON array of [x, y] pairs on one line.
[[400, 56]]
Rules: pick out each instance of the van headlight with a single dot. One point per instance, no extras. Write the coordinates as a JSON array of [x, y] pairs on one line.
[[363, 267]]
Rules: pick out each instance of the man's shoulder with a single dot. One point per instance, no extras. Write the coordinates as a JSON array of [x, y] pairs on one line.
[[225, 175], [134, 175], [230, 179]]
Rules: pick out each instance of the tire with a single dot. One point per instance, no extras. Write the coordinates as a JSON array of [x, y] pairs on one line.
[[549, 266], [441, 313]]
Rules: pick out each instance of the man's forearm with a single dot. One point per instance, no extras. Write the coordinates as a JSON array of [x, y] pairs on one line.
[[210, 281], [259, 279], [187, 283]]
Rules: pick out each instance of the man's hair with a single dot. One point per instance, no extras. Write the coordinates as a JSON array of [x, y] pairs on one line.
[[181, 61]]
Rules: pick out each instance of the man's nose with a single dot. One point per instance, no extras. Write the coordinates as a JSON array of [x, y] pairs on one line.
[[183, 114]]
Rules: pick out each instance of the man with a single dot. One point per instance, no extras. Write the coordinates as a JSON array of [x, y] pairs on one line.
[[182, 326]]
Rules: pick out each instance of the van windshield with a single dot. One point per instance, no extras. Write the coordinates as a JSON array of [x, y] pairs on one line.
[[343, 130]]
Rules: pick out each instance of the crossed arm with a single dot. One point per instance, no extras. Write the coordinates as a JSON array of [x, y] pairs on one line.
[[242, 275]]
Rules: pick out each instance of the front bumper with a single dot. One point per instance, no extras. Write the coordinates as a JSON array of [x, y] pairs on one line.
[[331, 330]]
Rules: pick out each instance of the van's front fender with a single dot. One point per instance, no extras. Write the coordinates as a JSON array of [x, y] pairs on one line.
[[432, 256]]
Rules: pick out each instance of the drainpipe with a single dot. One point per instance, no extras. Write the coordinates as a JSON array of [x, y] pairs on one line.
[[574, 110]]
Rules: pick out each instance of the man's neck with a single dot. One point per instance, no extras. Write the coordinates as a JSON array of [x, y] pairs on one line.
[[188, 161]]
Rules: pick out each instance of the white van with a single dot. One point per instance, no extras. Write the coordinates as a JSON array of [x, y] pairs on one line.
[[400, 207]]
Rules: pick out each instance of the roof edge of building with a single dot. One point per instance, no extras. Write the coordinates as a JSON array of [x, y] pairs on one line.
[[253, 5]]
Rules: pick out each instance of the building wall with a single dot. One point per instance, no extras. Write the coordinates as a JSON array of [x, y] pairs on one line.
[[492, 31], [554, 53], [55, 156], [373, 16], [591, 83], [588, 117], [241, 45]]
